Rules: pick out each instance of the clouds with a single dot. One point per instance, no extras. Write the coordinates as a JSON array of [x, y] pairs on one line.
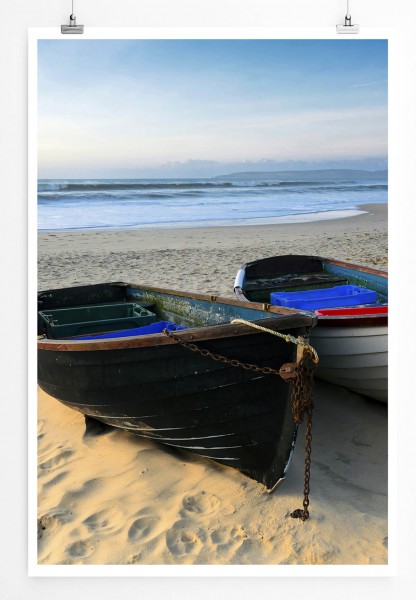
[[135, 103]]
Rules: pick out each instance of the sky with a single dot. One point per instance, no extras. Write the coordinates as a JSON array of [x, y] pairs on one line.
[[193, 108]]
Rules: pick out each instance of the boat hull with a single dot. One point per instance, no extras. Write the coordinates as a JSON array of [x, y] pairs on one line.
[[155, 388], [354, 357]]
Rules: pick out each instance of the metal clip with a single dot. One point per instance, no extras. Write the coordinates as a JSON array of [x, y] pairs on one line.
[[72, 27], [348, 27]]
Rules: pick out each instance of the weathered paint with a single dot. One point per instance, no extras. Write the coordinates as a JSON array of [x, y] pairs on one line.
[[365, 277], [151, 386]]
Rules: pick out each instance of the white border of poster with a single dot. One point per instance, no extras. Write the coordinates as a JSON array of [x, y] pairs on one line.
[[205, 570]]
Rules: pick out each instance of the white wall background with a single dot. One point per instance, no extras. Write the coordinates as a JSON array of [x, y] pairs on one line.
[[17, 16]]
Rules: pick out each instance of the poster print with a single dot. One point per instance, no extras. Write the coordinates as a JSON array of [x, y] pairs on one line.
[[167, 164]]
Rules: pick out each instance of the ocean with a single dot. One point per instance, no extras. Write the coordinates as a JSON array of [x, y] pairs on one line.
[[237, 199]]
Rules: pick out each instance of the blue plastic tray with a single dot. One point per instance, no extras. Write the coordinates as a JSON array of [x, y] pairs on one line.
[[145, 330], [341, 295]]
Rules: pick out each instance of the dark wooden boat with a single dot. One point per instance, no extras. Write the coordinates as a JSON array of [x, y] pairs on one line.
[[153, 386], [352, 341]]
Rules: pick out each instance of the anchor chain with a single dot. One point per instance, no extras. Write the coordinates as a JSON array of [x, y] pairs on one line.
[[218, 357], [302, 405], [300, 377]]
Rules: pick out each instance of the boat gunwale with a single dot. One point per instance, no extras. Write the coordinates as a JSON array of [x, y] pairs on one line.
[[264, 306], [332, 261], [192, 334], [362, 268]]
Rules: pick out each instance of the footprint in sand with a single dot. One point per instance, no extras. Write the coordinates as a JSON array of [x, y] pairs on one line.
[[105, 521], [57, 460], [185, 538], [201, 503], [228, 537], [73, 496], [144, 528], [80, 549], [55, 480]]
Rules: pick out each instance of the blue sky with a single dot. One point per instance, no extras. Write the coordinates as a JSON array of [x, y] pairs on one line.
[[108, 108]]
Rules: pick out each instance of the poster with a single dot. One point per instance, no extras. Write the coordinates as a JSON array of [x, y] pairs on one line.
[[169, 161]]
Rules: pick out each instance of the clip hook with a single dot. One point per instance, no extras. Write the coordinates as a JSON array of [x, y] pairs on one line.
[[72, 27], [348, 27]]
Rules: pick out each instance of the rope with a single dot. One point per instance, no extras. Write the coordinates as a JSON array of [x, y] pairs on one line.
[[288, 338]]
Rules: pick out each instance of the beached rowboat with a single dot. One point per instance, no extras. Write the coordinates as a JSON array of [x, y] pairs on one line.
[[102, 351], [351, 337]]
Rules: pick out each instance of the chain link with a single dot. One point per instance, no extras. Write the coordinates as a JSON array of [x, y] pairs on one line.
[[302, 400], [230, 361], [302, 405]]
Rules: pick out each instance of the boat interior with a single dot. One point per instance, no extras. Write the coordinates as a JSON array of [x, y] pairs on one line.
[[306, 275], [119, 310]]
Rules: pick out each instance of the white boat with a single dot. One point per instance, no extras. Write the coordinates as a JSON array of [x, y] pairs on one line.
[[352, 340], [354, 357]]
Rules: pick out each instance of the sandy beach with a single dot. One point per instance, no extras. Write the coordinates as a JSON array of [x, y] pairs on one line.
[[114, 499]]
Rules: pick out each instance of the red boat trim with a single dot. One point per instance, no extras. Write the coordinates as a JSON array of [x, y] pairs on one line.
[[360, 316], [353, 311]]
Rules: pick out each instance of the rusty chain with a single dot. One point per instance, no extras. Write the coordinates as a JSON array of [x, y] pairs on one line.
[[230, 361], [302, 405], [300, 376]]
